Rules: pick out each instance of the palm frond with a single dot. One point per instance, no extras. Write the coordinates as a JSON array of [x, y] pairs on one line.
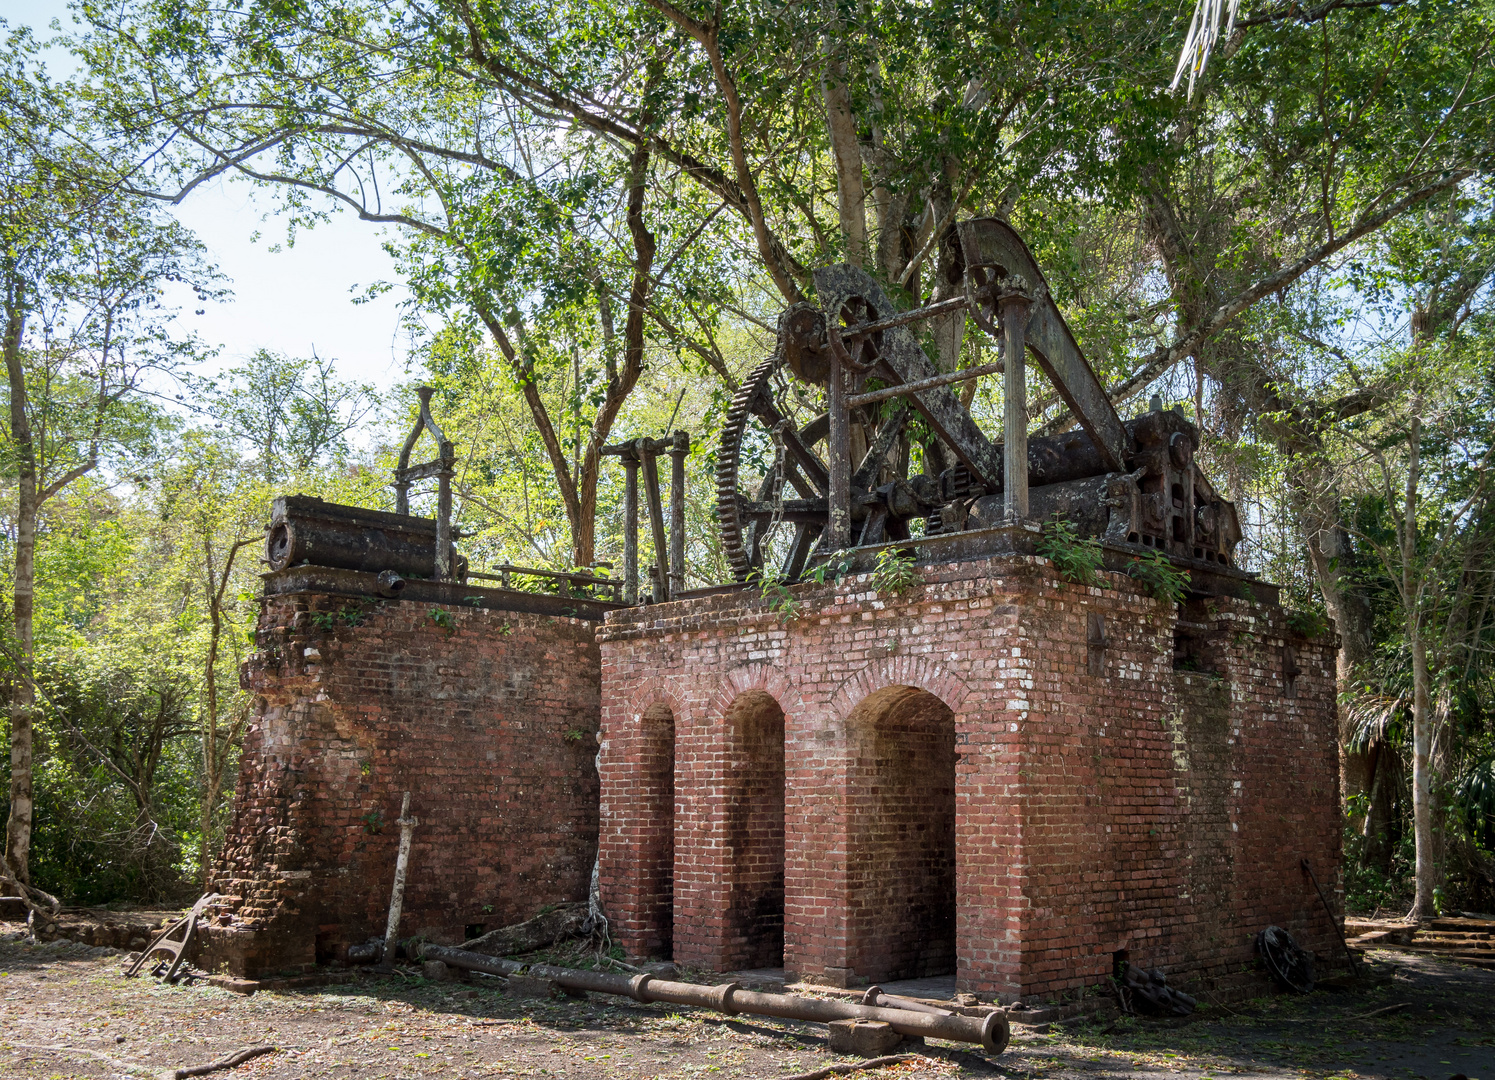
[[1376, 718], [1204, 32]]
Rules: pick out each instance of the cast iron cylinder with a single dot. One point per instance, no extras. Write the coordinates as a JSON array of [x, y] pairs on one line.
[[304, 529]]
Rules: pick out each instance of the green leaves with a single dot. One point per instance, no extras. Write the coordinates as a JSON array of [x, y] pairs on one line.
[[1156, 573], [1077, 559]]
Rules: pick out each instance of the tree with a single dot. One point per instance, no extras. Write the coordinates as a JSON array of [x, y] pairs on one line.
[[81, 268], [292, 412]]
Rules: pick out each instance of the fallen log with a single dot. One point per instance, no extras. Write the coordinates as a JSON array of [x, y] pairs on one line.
[[991, 1032], [561, 922]]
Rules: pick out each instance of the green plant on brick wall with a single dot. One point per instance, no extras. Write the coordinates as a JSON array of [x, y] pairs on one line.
[[443, 618], [894, 572], [1156, 574], [373, 822], [772, 588], [1308, 624], [1076, 558], [836, 566], [324, 620]]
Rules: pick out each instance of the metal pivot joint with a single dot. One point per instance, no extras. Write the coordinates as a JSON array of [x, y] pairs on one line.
[[442, 468]]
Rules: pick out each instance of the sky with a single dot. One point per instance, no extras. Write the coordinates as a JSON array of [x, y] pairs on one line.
[[293, 300]]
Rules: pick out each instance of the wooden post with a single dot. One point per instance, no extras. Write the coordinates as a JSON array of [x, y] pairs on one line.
[[678, 449], [838, 444], [630, 526], [397, 897], [650, 453], [1013, 310]]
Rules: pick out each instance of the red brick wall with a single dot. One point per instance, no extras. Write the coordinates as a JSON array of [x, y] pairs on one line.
[[1102, 800], [486, 717]]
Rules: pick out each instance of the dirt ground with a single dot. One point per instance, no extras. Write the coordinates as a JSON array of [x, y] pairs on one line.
[[67, 1013]]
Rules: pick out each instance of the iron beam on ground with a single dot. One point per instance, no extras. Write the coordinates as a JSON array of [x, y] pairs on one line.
[[991, 1032]]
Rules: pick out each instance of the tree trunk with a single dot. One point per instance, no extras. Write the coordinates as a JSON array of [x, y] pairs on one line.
[[846, 150], [23, 692], [1422, 779], [1328, 551], [1422, 698]]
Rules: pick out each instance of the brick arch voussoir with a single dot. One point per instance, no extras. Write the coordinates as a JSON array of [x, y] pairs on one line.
[[916, 671], [654, 692], [755, 676]]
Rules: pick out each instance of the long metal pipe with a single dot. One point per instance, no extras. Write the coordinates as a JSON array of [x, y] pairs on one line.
[[930, 383], [991, 1032]]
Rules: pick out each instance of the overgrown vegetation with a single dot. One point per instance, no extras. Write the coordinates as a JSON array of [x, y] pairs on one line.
[[1077, 559], [1159, 577], [894, 572]]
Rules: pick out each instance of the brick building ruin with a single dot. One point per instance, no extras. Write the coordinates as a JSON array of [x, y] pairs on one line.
[[987, 771]]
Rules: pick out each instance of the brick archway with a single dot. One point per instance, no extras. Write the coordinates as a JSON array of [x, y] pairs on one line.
[[916, 671], [901, 835], [768, 678]]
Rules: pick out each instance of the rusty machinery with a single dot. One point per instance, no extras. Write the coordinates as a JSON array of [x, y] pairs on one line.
[[305, 530], [841, 480]]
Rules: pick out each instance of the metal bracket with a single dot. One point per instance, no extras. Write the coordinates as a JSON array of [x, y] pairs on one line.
[[176, 951], [441, 469]]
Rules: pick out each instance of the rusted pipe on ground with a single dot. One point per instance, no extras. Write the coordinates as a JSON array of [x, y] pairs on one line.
[[991, 1032]]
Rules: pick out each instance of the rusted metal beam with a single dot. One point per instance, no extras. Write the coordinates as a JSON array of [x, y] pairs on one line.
[[993, 248], [1012, 310], [656, 517], [991, 1032], [838, 450], [630, 527], [679, 450], [873, 396], [903, 318]]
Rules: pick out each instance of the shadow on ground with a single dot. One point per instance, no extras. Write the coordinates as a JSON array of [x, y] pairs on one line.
[[74, 1016]]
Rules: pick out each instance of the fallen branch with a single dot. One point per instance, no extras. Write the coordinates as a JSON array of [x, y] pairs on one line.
[[1341, 1019], [37, 901], [1378, 1012], [236, 1058], [842, 1070], [126, 1066]]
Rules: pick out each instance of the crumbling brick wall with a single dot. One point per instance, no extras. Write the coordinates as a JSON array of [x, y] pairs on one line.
[[1124, 780], [487, 717]]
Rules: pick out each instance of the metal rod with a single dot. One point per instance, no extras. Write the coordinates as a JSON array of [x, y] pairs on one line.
[[991, 1031], [1014, 314], [397, 897], [530, 571], [630, 528], [678, 450], [1350, 956], [656, 523], [838, 439], [923, 384], [930, 311]]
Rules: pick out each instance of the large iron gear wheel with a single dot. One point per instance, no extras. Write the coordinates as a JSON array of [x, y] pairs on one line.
[[754, 399]]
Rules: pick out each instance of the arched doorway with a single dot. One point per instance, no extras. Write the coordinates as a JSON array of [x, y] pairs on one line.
[[901, 855], [656, 793], [754, 832]]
